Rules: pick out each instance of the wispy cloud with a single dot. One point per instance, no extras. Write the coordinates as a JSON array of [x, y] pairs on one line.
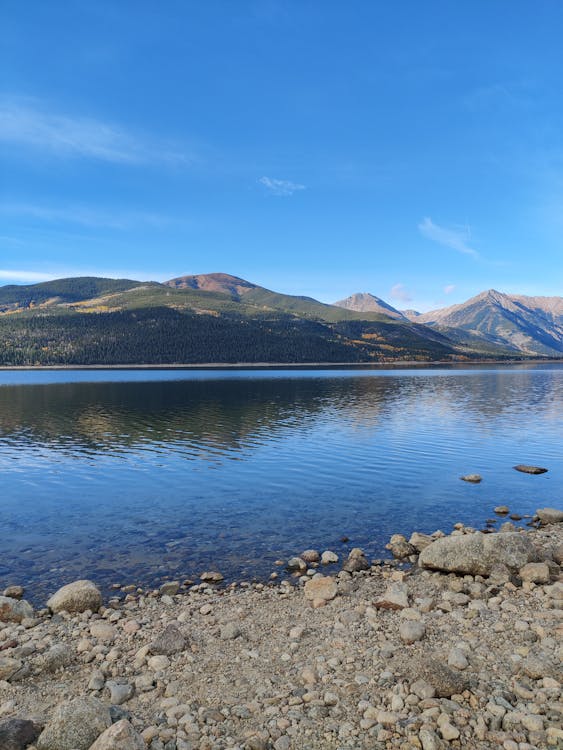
[[449, 288], [280, 187], [26, 123], [85, 216], [30, 277], [456, 238], [400, 293]]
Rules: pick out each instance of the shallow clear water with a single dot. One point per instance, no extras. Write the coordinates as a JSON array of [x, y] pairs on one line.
[[132, 476]]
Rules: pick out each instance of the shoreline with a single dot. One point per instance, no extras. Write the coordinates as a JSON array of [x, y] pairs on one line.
[[373, 656], [284, 365]]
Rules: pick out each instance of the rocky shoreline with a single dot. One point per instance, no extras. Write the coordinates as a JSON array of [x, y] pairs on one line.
[[454, 644]]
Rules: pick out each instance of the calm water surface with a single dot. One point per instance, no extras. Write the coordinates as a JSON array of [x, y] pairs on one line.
[[130, 476]]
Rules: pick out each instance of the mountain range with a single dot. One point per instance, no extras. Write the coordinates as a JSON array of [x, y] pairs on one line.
[[222, 318], [530, 325]]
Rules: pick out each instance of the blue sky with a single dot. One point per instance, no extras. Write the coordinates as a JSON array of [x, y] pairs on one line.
[[410, 149]]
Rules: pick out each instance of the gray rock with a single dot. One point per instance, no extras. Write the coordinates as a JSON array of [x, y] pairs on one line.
[[14, 592], [75, 725], [549, 515], [310, 556], [230, 631], [321, 587], [17, 734], [56, 657], [473, 478], [356, 561], [211, 577], [535, 573], [477, 554], [502, 510], [395, 597], [445, 681], [170, 588], [411, 631], [399, 547], [420, 541], [329, 557], [77, 596], [120, 736], [120, 691], [170, 641], [530, 469], [296, 564], [97, 680], [9, 667], [13, 610]]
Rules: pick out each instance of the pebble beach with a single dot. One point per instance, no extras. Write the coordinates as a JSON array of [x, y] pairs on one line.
[[453, 642]]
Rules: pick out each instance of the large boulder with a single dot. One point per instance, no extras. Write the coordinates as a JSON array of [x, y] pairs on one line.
[[76, 597], [14, 610], [478, 554], [120, 736], [549, 515], [75, 725]]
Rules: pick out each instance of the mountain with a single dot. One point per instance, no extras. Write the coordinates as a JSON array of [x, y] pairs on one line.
[[217, 318], [223, 283], [528, 325], [366, 302]]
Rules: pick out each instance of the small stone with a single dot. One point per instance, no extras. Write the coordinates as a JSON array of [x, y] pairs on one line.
[[443, 679], [56, 657], [535, 573], [170, 641], [356, 561], [206, 609], [78, 596], [321, 587], [328, 557], [396, 597], [14, 592], [526, 469], [473, 478], [448, 731], [502, 510], [14, 610], [9, 667], [296, 564], [97, 680], [103, 631], [170, 588], [211, 577], [310, 556], [411, 631], [120, 736], [119, 691], [230, 631], [457, 659], [158, 663]]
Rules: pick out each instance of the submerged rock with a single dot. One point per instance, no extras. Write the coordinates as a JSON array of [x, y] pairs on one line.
[[478, 554], [77, 596], [473, 478], [530, 469]]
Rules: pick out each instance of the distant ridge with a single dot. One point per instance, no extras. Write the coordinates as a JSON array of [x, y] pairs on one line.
[[531, 325], [366, 302]]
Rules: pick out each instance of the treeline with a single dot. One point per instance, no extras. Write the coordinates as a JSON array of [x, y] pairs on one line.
[[167, 336]]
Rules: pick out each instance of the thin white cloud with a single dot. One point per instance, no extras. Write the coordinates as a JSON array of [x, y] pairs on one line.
[[455, 239], [25, 123], [449, 288], [400, 293], [85, 216], [280, 187], [28, 277]]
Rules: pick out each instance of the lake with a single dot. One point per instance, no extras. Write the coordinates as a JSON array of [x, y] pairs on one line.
[[135, 476]]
